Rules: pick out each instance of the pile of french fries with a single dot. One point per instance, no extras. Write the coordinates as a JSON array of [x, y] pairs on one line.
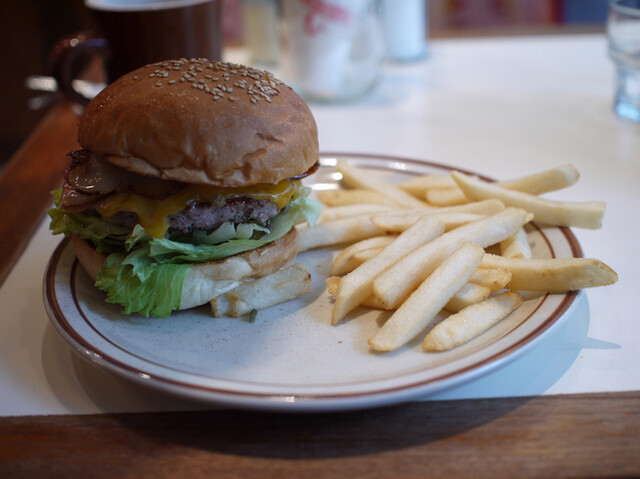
[[446, 246]]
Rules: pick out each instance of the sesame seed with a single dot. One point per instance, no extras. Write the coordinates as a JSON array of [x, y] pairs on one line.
[[228, 81]]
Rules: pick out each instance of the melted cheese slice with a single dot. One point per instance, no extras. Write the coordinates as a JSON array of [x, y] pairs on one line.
[[153, 214]]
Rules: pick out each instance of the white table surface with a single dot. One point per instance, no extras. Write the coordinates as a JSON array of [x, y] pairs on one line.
[[502, 107]]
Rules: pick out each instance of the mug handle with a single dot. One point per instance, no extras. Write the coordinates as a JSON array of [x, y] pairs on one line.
[[69, 55]]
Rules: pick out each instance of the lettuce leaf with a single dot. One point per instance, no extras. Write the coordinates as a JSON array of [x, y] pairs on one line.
[[141, 286], [107, 237]]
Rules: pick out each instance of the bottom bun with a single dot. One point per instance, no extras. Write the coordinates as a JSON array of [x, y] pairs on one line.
[[205, 281]]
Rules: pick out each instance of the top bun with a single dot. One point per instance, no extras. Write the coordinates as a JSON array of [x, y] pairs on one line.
[[204, 122]]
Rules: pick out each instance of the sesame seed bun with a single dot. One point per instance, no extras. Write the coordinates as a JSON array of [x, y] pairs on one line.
[[203, 122]]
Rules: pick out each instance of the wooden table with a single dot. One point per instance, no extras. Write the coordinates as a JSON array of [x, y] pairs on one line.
[[576, 435], [571, 436]]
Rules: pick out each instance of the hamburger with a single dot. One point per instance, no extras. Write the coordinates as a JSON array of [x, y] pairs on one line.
[[188, 181]]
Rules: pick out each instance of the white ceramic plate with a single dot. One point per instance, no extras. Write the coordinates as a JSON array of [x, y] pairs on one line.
[[291, 358]]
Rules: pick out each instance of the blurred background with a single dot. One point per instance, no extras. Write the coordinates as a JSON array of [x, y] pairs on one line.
[[28, 29]]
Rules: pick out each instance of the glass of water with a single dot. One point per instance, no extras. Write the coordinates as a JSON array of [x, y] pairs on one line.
[[623, 33]]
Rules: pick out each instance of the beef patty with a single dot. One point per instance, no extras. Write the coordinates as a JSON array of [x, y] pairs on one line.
[[209, 215]]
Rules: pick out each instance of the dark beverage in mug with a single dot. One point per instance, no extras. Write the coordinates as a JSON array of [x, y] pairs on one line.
[[139, 32]]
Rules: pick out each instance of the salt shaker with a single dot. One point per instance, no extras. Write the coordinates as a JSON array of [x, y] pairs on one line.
[[405, 28]]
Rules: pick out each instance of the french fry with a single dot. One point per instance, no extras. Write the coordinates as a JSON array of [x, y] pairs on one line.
[[469, 294], [356, 286], [332, 283], [428, 300], [345, 230], [284, 285], [516, 246], [394, 223], [358, 178], [485, 207], [371, 301], [559, 213], [399, 223], [553, 275], [544, 181], [418, 185], [535, 184], [347, 211], [353, 197], [347, 261], [365, 255], [446, 196], [413, 212], [493, 278], [397, 282], [469, 323], [399, 220]]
